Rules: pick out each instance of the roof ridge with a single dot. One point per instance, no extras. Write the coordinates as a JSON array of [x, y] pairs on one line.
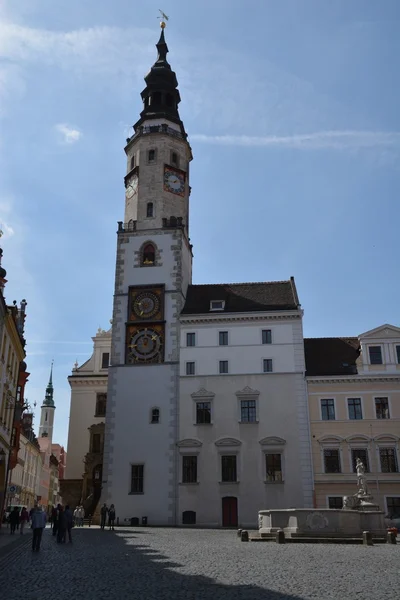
[[334, 337], [241, 283]]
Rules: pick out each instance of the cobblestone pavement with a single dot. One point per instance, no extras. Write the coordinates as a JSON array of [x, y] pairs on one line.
[[149, 564]]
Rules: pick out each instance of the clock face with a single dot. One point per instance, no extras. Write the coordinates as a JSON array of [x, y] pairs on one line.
[[131, 188], [174, 181], [146, 305], [145, 346]]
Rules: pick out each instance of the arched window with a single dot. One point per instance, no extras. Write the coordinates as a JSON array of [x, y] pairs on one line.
[[133, 162], [149, 209], [155, 415], [149, 255]]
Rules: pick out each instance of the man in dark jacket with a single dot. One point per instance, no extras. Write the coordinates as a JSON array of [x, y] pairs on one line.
[[14, 519], [69, 517], [103, 515], [62, 525], [55, 518]]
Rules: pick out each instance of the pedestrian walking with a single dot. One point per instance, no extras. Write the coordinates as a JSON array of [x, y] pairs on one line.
[[14, 519], [69, 518], [38, 524], [55, 514], [76, 516], [81, 515], [103, 515], [23, 519], [61, 526], [111, 517]]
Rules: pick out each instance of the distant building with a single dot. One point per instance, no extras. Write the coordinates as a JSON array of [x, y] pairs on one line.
[[354, 406], [61, 456]]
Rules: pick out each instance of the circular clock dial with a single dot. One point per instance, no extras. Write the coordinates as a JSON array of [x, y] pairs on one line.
[[131, 188], [174, 181], [146, 305], [145, 344]]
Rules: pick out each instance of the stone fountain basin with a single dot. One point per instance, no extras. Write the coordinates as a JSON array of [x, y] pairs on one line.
[[324, 522]]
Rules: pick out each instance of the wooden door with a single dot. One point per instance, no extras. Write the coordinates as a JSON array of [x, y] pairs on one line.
[[229, 511]]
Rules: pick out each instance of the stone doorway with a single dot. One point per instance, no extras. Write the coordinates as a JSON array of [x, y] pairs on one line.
[[229, 511]]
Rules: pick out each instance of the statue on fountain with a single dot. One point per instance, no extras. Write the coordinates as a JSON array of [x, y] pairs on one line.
[[362, 500], [361, 480]]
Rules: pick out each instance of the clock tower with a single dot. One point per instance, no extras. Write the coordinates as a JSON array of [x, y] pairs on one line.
[[153, 271]]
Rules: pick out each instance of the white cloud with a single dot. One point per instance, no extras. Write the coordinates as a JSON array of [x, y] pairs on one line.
[[70, 134], [309, 141]]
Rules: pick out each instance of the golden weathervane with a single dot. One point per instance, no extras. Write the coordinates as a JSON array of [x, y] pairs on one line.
[[164, 18]]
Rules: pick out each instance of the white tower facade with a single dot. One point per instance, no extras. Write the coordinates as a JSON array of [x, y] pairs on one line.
[[47, 412], [153, 271]]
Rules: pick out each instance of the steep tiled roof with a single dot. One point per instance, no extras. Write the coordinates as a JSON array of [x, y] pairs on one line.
[[331, 356], [242, 297]]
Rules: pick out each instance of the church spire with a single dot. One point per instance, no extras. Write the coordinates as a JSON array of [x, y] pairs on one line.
[[48, 401], [160, 96]]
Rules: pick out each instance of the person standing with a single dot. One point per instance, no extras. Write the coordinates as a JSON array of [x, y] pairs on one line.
[[55, 518], [14, 519], [111, 517], [69, 522], [38, 524], [61, 526], [76, 516], [23, 518], [103, 515]]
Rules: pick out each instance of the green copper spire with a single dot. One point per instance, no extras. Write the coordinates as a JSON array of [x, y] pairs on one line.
[[48, 401]]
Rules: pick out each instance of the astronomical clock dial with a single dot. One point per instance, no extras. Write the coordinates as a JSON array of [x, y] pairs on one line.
[[132, 187], [174, 181], [146, 305], [145, 346]]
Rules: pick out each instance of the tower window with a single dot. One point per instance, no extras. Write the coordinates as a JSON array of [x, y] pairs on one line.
[[45, 416], [149, 254], [155, 415], [169, 100], [175, 159], [149, 210], [156, 98], [151, 155], [133, 162]]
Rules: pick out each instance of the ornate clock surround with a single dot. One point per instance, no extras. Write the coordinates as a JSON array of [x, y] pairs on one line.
[[145, 327]]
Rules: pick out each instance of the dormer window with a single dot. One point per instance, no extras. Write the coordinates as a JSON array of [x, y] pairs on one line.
[[217, 304], [375, 355]]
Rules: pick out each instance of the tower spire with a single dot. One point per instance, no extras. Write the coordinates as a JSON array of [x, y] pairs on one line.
[[49, 401]]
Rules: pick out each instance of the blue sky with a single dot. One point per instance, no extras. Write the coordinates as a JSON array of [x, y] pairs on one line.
[[292, 112]]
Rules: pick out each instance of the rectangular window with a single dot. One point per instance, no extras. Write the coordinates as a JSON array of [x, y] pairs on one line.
[[190, 368], [228, 468], [101, 403], [273, 463], [328, 409], [332, 460], [267, 365], [266, 336], [149, 210], [335, 502], [382, 408], [137, 479], [398, 354], [190, 339], [151, 156], [96, 443], [105, 360], [189, 469], [248, 412], [217, 304], [393, 506], [362, 454], [203, 413], [223, 338], [375, 355], [355, 410], [223, 366], [174, 159], [388, 460]]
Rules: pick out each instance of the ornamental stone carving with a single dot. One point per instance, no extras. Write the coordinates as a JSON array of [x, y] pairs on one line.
[[316, 521]]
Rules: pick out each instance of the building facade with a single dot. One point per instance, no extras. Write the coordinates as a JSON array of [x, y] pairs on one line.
[[206, 419], [354, 404]]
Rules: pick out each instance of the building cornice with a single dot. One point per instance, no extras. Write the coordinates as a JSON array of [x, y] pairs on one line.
[[354, 379], [87, 381], [239, 317]]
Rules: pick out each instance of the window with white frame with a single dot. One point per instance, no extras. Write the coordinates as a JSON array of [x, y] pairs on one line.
[[328, 409], [362, 454], [388, 460], [267, 365], [189, 469], [332, 460], [375, 355], [266, 336], [190, 339], [217, 304], [190, 368], [335, 502], [273, 467], [355, 408], [382, 408], [248, 411], [223, 367], [223, 338], [393, 506], [229, 468]]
